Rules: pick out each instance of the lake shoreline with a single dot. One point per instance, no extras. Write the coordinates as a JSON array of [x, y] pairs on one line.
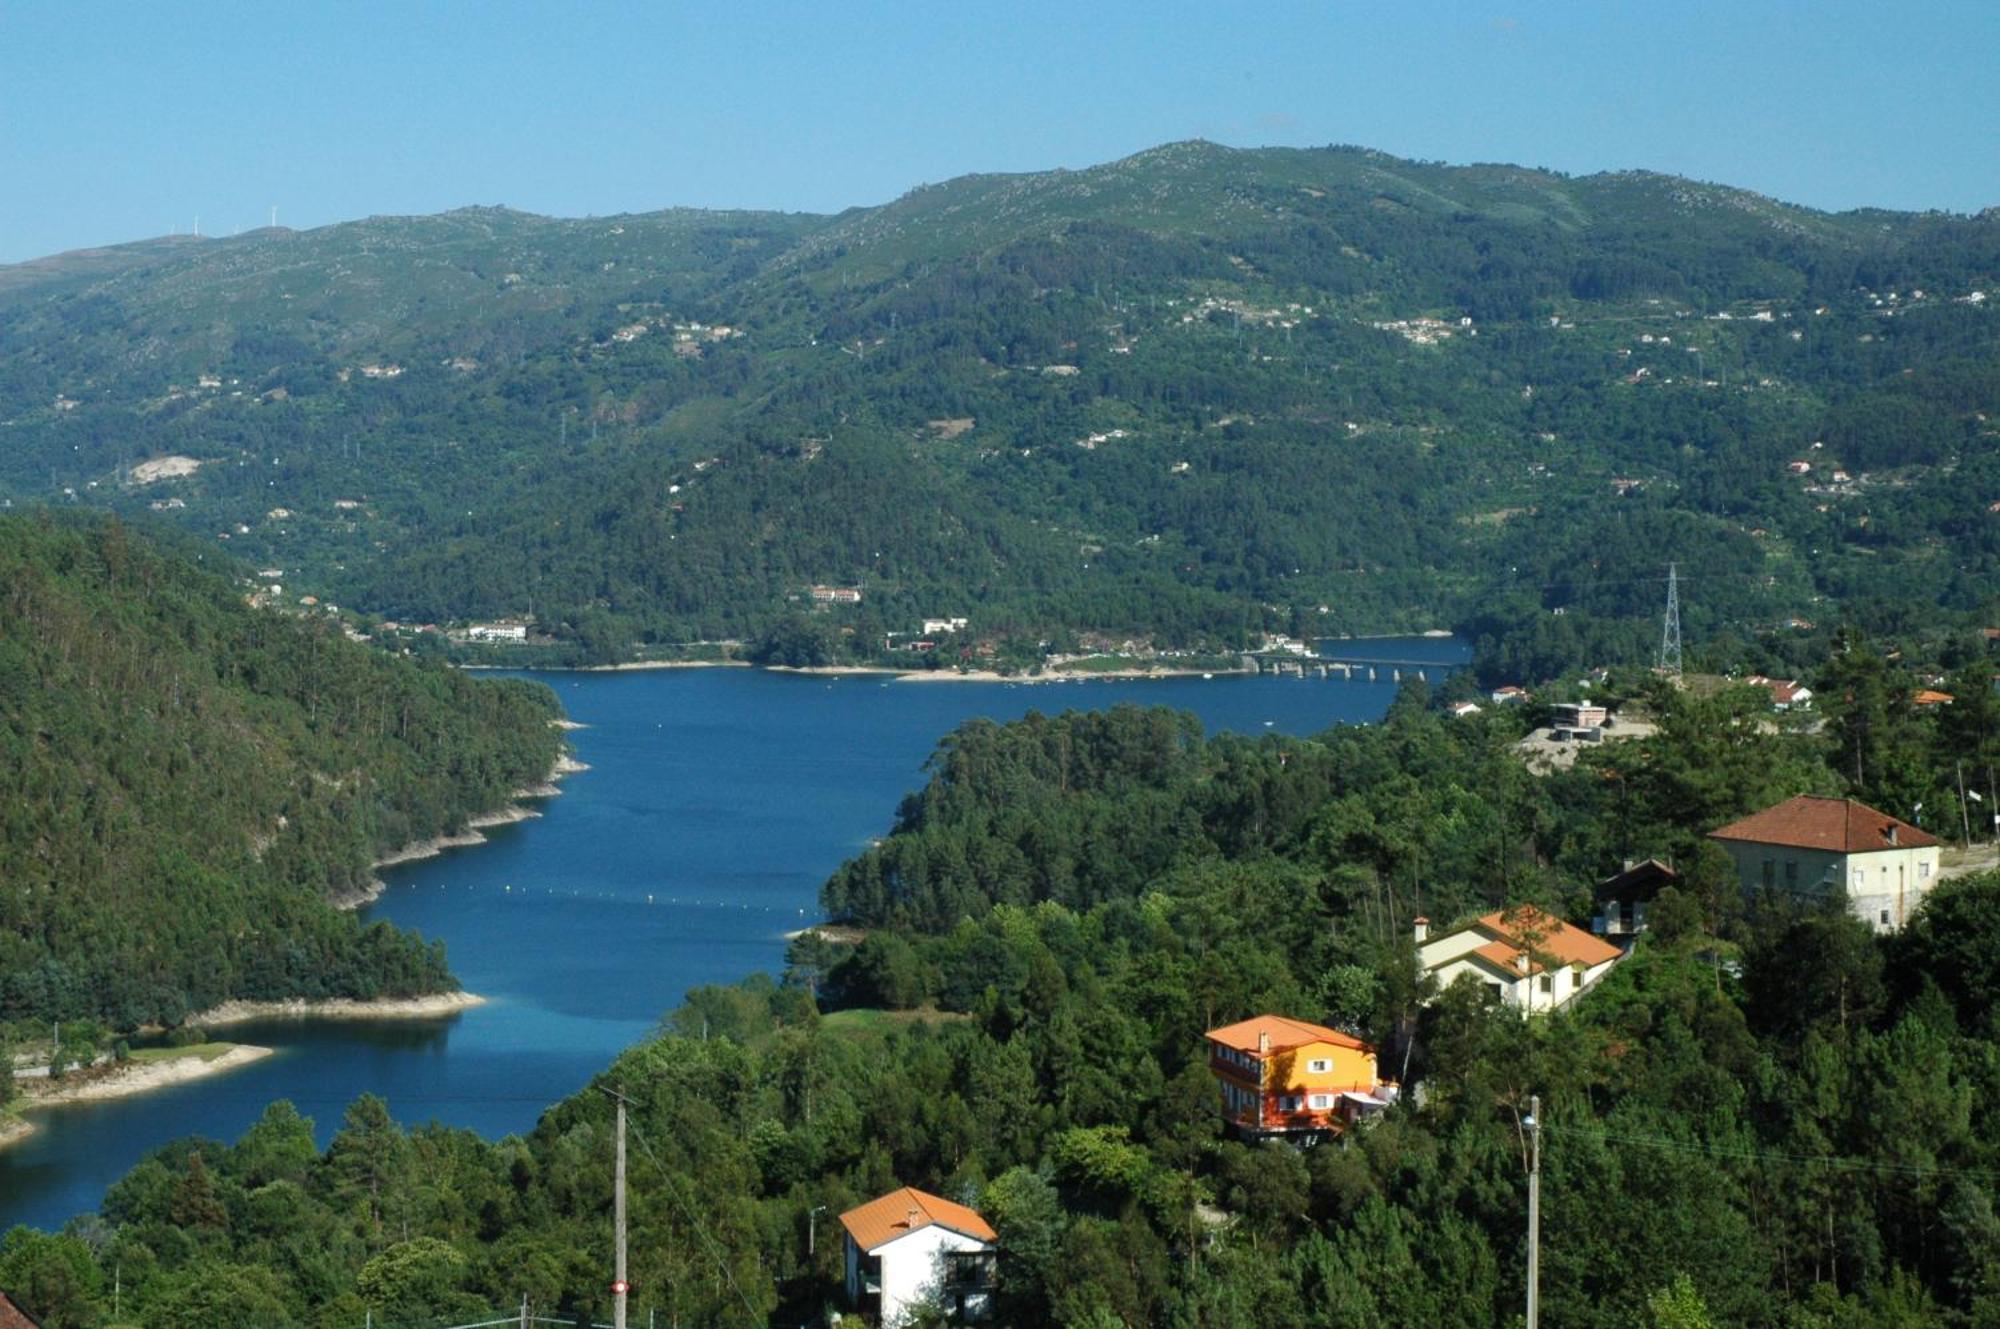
[[432, 846], [125, 1079], [431, 1006]]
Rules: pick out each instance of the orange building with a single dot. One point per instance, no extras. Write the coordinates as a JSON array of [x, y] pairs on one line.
[[1281, 1076]]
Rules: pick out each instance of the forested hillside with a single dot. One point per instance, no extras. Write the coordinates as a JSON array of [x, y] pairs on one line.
[[1770, 1118], [1187, 396], [187, 784]]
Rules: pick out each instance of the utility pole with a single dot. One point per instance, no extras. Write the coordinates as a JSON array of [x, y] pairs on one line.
[[1534, 1125], [619, 1287], [1964, 816]]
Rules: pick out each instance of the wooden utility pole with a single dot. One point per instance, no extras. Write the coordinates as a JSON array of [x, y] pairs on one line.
[[1534, 1125], [619, 1287]]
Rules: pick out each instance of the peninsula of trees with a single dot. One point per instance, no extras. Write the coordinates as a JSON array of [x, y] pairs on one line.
[[189, 786]]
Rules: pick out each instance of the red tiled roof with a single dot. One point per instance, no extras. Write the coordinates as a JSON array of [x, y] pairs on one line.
[[1557, 939], [902, 1212], [13, 1317], [1507, 958], [1284, 1033], [1836, 825]]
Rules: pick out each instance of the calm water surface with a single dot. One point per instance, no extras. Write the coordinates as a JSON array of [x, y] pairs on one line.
[[717, 802]]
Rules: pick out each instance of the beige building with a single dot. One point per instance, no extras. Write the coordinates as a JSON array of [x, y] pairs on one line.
[[1813, 847]]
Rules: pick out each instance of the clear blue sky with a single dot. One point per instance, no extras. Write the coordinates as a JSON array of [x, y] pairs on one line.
[[119, 121]]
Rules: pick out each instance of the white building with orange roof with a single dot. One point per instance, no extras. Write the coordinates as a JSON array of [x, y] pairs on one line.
[[1531, 959], [1286, 1077], [910, 1249]]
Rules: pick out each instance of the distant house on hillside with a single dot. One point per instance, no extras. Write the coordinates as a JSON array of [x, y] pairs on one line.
[[1813, 847], [836, 595], [13, 1317], [909, 1248], [497, 632], [1509, 695], [1786, 693], [1285, 1078], [1623, 897], [1529, 958], [1458, 710]]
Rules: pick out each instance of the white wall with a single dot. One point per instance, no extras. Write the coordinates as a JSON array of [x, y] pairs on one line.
[[1891, 881], [913, 1267]]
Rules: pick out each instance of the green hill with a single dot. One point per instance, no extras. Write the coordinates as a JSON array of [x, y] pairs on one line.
[[1188, 395], [186, 784]]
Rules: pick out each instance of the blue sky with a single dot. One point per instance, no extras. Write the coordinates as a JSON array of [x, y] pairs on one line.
[[119, 121]]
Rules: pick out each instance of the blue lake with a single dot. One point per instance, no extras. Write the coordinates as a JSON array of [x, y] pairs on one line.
[[716, 803]]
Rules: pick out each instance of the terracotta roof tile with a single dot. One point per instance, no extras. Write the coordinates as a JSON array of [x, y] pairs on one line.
[[1284, 1032], [901, 1212], [1836, 825], [13, 1317], [1556, 939]]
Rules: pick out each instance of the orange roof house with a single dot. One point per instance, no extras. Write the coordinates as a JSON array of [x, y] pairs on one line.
[[910, 1248], [1837, 825], [1811, 847], [1289, 1078], [1526, 956]]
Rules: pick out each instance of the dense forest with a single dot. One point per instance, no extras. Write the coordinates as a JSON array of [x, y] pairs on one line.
[[1766, 1116], [188, 785], [1185, 397]]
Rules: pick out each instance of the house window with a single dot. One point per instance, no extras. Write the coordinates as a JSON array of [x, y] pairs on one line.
[[1860, 878], [1548, 983], [1885, 918], [1321, 1102], [1319, 1065], [1923, 871], [1770, 873], [1290, 1103], [1791, 873]]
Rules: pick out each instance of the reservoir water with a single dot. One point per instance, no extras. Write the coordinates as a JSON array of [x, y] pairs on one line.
[[716, 803]]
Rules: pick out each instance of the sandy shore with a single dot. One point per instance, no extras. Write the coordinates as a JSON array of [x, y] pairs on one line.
[[435, 1006], [13, 1130], [631, 665], [137, 1077], [1058, 675], [437, 844]]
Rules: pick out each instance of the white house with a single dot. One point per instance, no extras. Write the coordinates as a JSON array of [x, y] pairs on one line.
[[1815, 847], [1531, 959], [909, 1248], [497, 632]]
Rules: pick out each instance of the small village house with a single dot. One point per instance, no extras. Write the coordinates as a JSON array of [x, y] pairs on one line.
[[1786, 693], [1812, 847], [909, 1249], [1290, 1079], [497, 632], [836, 595], [1529, 959], [1624, 897]]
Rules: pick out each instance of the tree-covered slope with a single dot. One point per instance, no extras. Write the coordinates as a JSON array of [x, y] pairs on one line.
[[1799, 1138], [187, 784], [1190, 394]]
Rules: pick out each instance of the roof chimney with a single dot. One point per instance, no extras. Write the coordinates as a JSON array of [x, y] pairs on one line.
[[1521, 962], [1423, 929], [910, 1219], [1889, 832], [1263, 1042]]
